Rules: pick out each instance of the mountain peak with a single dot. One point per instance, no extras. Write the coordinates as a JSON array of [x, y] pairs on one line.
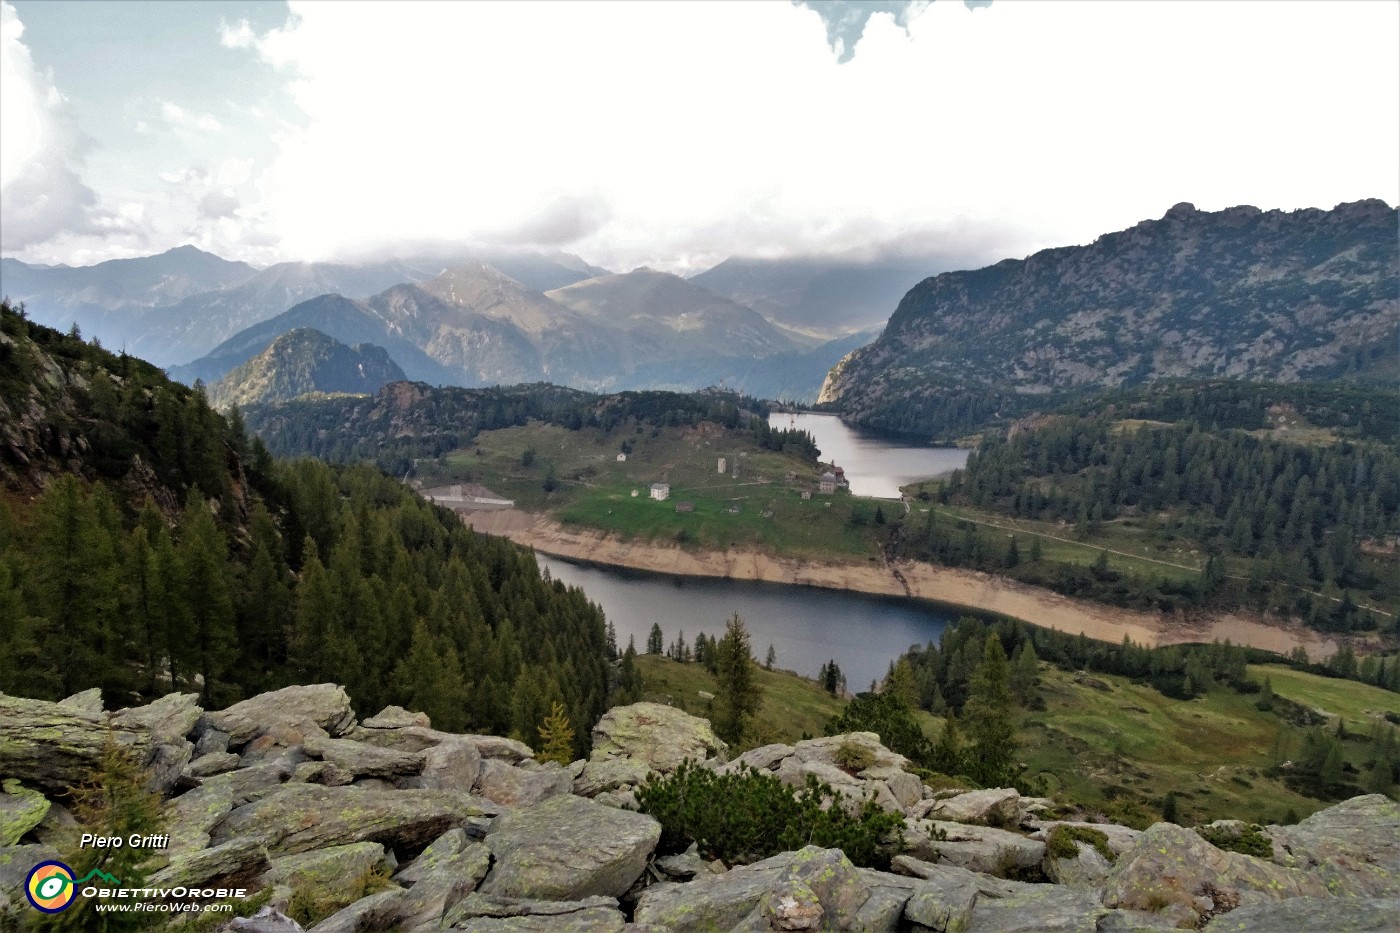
[[303, 361]]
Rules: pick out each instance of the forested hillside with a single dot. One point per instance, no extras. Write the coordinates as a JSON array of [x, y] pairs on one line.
[[407, 421], [147, 544], [1285, 506]]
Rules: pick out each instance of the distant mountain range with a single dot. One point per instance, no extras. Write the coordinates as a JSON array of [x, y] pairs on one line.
[[499, 318], [1240, 293], [304, 362], [820, 299], [179, 305], [475, 326], [148, 282]]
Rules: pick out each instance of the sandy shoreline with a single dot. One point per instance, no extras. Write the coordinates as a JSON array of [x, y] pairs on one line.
[[946, 585]]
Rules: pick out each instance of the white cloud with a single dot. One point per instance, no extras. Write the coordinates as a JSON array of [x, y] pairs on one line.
[[683, 132], [183, 121], [237, 35], [42, 192]]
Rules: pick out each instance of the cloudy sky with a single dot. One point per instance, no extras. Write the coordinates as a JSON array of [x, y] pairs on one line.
[[675, 134]]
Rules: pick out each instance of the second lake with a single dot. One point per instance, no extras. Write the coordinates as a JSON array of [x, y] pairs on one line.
[[874, 466]]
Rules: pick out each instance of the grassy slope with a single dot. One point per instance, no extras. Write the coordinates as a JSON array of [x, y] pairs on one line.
[[1137, 744], [1130, 742], [792, 705], [596, 491]]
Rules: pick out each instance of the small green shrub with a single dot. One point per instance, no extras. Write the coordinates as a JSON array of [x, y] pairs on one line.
[[748, 815], [853, 757], [1009, 867], [310, 904], [1250, 841], [1060, 843]]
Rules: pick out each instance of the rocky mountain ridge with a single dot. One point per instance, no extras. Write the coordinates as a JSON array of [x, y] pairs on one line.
[[303, 362], [286, 794], [1239, 293]]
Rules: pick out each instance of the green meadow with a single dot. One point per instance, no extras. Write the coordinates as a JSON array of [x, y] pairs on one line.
[[576, 477]]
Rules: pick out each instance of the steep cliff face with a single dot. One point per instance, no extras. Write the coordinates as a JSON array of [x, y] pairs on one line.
[[1239, 293]]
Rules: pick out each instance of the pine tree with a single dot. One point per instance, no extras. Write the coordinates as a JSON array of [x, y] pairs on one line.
[[738, 693], [771, 659], [21, 670], [900, 684], [947, 755], [1169, 808], [990, 714], [629, 678], [204, 558], [264, 609], [1265, 703], [655, 639], [1025, 673], [74, 580], [429, 679], [556, 737], [313, 616], [831, 678]]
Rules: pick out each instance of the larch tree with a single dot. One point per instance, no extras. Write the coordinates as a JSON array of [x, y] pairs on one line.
[[556, 736], [990, 713], [739, 694]]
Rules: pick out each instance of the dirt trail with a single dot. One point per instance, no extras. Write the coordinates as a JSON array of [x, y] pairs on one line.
[[926, 581]]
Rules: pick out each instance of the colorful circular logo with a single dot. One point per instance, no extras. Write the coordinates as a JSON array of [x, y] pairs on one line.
[[50, 887]]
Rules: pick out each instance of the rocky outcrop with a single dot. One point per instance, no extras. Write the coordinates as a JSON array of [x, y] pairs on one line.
[[814, 889], [325, 705], [470, 832], [657, 736], [1241, 294], [1174, 871], [302, 817], [567, 848], [55, 746]]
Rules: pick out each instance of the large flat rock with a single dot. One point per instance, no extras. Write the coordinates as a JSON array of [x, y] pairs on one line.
[[301, 817], [326, 705], [567, 848], [54, 746], [1354, 846], [1313, 915], [363, 760], [812, 889]]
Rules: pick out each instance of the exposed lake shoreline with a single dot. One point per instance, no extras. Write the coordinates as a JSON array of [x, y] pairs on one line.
[[954, 587]]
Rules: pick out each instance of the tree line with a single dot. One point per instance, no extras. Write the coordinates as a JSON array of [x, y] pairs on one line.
[[1298, 514]]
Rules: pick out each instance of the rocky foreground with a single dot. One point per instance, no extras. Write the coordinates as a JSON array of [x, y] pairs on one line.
[[287, 794]]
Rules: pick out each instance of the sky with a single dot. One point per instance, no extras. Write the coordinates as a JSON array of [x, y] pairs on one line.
[[676, 134]]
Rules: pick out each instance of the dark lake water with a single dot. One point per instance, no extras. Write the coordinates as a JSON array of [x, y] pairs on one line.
[[805, 625], [874, 466]]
